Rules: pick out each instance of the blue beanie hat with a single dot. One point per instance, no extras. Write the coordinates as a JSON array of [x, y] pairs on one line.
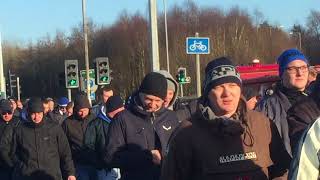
[[63, 101], [287, 57]]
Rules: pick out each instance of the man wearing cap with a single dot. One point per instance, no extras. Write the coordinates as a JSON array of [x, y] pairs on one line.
[[138, 138], [40, 148], [293, 72], [225, 140], [75, 127], [59, 114], [95, 138], [6, 119]]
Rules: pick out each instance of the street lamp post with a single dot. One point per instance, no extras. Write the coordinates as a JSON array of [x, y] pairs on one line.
[[299, 36], [299, 33], [86, 55], [153, 28], [166, 30]]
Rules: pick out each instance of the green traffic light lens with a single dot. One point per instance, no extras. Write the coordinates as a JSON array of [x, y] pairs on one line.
[[72, 82], [104, 78]]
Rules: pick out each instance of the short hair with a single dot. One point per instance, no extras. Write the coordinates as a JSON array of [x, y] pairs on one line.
[[49, 99], [70, 105], [106, 88]]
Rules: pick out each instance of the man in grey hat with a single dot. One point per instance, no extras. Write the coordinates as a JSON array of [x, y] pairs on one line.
[[225, 140]]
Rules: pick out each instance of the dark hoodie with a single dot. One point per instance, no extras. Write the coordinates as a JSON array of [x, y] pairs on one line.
[[133, 135], [184, 111], [245, 146]]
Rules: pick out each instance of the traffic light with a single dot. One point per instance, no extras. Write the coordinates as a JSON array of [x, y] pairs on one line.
[[71, 73], [182, 75], [103, 71]]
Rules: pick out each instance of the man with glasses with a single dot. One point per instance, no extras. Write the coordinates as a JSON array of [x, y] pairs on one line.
[[59, 114], [293, 71], [6, 119]]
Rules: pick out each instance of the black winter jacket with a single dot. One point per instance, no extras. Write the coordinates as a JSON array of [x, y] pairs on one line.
[[95, 141], [41, 151], [300, 116], [75, 130], [133, 135], [6, 169]]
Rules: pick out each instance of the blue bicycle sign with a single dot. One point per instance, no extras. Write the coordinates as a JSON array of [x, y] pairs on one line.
[[197, 45]]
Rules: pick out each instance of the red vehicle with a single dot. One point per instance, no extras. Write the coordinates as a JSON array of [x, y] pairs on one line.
[[260, 76]]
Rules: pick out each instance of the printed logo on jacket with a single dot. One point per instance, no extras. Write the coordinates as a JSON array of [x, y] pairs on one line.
[[237, 157]]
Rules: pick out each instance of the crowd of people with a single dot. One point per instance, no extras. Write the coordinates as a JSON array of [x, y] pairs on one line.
[[230, 132]]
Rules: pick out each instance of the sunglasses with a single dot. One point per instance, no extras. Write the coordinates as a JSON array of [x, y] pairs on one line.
[[6, 112]]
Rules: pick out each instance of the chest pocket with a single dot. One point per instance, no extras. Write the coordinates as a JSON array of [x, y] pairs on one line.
[[138, 139], [240, 166], [49, 140]]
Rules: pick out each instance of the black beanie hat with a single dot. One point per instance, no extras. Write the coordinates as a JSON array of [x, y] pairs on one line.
[[81, 101], [220, 71], [35, 105], [154, 84], [114, 103], [6, 105]]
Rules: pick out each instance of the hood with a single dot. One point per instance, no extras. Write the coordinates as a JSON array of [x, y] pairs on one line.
[[169, 77]]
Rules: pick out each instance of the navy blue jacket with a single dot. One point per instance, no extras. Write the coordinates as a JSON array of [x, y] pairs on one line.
[[132, 136], [275, 107]]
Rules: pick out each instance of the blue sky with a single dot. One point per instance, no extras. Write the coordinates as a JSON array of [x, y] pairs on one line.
[[29, 20]]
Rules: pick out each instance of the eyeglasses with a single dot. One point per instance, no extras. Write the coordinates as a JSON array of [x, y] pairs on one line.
[[294, 69], [6, 112]]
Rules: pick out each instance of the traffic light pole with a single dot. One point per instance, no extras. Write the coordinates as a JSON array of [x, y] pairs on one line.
[[181, 90], [69, 94], [85, 31], [198, 72], [18, 88]]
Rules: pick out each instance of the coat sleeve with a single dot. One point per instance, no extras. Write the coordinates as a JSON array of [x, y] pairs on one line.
[[178, 162], [119, 154], [305, 164], [67, 166], [279, 155]]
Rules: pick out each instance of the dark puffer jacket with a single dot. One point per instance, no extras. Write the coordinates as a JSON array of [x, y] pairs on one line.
[[40, 151], [133, 135], [75, 129], [245, 146], [95, 141], [6, 169], [301, 115]]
